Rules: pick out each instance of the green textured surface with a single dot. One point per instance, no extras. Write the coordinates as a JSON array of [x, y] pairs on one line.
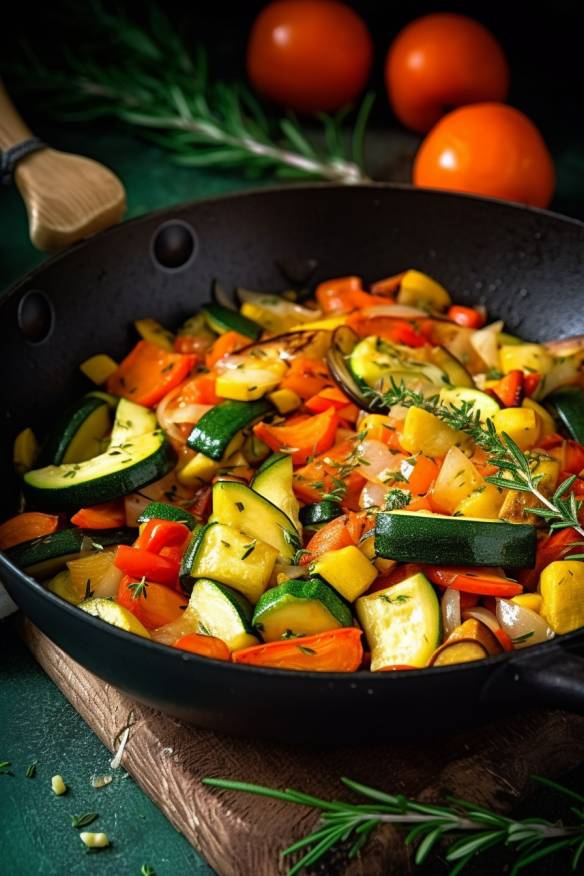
[[36, 837]]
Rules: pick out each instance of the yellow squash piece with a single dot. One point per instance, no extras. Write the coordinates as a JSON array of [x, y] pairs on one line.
[[285, 400], [152, 331], [458, 478], [515, 502], [546, 421], [98, 368], [521, 424], [347, 570], [61, 585], [484, 503], [533, 601], [247, 384], [525, 357], [26, 450], [425, 433], [561, 585], [235, 559], [114, 614], [329, 324], [418, 289]]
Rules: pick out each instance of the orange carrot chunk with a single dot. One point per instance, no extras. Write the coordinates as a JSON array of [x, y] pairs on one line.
[[153, 604], [206, 646], [333, 651], [302, 440], [109, 515], [148, 372], [24, 527]]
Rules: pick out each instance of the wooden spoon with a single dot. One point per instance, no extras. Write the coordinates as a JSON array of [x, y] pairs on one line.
[[68, 197]]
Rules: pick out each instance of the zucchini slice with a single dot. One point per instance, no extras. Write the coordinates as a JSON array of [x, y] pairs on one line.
[[114, 614], [273, 480], [408, 536], [485, 404], [132, 420], [224, 613], [77, 434], [49, 554], [319, 513], [237, 505], [221, 320], [300, 608], [338, 357], [218, 432], [222, 553], [567, 404], [375, 359], [165, 511], [452, 367], [402, 623]]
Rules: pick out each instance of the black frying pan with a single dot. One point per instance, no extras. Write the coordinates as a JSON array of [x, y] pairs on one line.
[[526, 265]]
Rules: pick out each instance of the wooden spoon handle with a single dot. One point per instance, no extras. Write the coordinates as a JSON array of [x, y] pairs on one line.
[[12, 129]]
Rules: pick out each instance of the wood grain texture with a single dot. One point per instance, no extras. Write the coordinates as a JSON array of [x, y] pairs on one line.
[[241, 835], [67, 197]]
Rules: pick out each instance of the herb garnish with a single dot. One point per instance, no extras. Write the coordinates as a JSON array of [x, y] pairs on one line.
[[139, 588], [83, 820], [248, 549]]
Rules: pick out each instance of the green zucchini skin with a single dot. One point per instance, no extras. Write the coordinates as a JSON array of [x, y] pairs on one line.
[[320, 512], [165, 511], [221, 319], [217, 428], [79, 493], [185, 575], [454, 541], [51, 552], [64, 429], [299, 590], [567, 405]]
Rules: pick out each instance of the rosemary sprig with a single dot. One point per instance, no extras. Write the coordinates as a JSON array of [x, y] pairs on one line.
[[139, 588], [150, 82], [475, 828], [516, 469]]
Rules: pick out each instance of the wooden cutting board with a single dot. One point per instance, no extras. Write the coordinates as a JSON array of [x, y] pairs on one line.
[[242, 835]]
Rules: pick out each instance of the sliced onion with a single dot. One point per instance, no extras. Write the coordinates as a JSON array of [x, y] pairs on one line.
[[562, 374], [566, 346], [189, 413], [450, 608], [373, 495], [485, 343], [483, 615], [184, 625], [109, 582], [377, 460], [523, 626]]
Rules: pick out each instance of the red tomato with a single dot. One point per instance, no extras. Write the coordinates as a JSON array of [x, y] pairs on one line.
[[309, 55], [442, 61], [487, 149]]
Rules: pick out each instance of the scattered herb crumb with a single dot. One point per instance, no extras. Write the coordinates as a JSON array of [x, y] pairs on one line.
[[83, 820], [31, 770]]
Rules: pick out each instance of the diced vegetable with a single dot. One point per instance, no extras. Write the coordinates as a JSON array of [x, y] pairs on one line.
[[525, 357], [273, 480], [148, 372], [165, 511], [485, 404], [516, 502], [206, 646], [86, 572], [247, 384], [221, 319], [347, 570], [461, 651], [223, 613], [562, 589], [300, 608], [458, 478], [153, 604], [61, 585], [425, 433], [154, 333], [25, 452], [320, 512], [440, 540], [533, 601], [227, 555], [25, 527], [524, 626], [546, 422], [419, 289], [484, 503], [218, 433], [78, 434], [402, 623], [49, 554], [479, 632], [520, 424], [285, 400], [99, 368], [333, 651], [484, 583], [108, 515], [116, 615], [302, 440]]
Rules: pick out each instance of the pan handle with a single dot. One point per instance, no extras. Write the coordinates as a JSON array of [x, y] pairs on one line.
[[551, 677]]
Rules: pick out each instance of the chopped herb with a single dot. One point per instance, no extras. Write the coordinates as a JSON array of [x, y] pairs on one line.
[[248, 549], [70, 474], [83, 820], [166, 368], [291, 538], [397, 499], [301, 552], [289, 634], [494, 374], [96, 546], [203, 629], [240, 506], [226, 543], [306, 650], [4, 771], [147, 870], [520, 639], [88, 590], [251, 388], [31, 770], [395, 600], [139, 588]]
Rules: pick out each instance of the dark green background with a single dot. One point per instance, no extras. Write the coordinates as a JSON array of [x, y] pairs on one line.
[[36, 722]]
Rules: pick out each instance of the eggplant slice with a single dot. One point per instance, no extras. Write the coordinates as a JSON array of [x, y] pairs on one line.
[[343, 342]]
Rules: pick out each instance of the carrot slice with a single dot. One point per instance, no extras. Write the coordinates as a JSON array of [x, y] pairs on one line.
[[336, 296], [333, 651], [224, 345], [153, 604], [24, 527], [316, 478], [306, 377], [331, 397], [330, 537], [148, 372], [109, 515], [206, 646], [473, 581], [303, 439]]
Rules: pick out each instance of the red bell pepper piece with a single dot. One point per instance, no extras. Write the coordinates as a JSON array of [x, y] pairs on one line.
[[139, 563], [153, 604], [331, 537], [531, 381], [473, 581], [467, 317], [304, 439], [108, 515], [331, 397], [509, 390], [504, 639], [388, 286], [158, 534]]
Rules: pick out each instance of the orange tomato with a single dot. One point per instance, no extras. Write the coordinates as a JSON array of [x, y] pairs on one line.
[[309, 55], [487, 149], [442, 61]]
